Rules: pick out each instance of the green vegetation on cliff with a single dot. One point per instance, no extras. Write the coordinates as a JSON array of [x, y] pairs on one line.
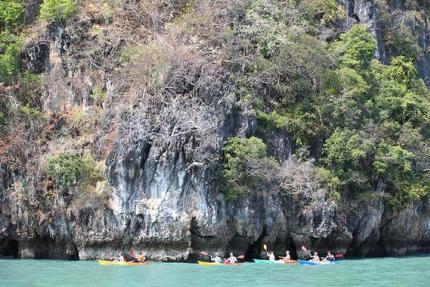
[[10, 61], [246, 165], [68, 170], [57, 10], [11, 13], [364, 111], [351, 112]]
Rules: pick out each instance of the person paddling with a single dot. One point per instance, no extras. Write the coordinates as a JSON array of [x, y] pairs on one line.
[[287, 256], [232, 259], [216, 258], [330, 256], [315, 257], [272, 256], [131, 256], [121, 258], [140, 257]]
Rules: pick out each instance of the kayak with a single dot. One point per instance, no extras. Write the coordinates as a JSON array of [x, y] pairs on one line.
[[121, 263], [313, 263], [261, 261], [290, 261], [203, 263]]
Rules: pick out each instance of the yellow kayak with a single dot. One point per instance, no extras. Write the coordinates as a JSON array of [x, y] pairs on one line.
[[121, 263], [203, 263]]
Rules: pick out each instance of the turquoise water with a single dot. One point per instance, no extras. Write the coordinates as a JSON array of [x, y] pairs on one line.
[[408, 271]]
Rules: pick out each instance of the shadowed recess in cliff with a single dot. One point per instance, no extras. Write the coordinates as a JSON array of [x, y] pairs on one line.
[[254, 248], [291, 247], [46, 248], [238, 245], [10, 249], [199, 242], [371, 247]]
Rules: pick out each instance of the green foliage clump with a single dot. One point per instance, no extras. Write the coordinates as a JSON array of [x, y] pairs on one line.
[[357, 48], [346, 152], [10, 58], [68, 170], [28, 112], [245, 165], [290, 77], [402, 97], [11, 13], [326, 11], [271, 120], [388, 101], [367, 124], [57, 10]]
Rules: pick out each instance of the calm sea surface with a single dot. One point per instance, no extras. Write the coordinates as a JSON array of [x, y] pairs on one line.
[[392, 272]]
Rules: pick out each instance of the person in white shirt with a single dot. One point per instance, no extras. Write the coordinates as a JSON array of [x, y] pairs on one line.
[[216, 258], [232, 259], [272, 256], [287, 256]]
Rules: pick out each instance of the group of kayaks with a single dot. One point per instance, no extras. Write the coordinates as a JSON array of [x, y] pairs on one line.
[[204, 263], [261, 261]]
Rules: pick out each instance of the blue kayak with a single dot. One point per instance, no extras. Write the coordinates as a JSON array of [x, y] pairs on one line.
[[313, 263]]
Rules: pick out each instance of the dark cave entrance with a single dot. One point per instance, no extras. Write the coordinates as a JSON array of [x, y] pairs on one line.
[[47, 248], [254, 249], [11, 249], [292, 248]]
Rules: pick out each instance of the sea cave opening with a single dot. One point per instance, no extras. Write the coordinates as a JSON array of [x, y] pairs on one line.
[[11, 249]]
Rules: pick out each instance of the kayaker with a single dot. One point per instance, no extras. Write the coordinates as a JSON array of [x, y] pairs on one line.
[[121, 258], [272, 256], [232, 259], [287, 256], [140, 258], [330, 256], [216, 258], [131, 256], [315, 257]]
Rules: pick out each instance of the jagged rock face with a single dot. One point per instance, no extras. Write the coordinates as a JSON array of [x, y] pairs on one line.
[[166, 198], [37, 57]]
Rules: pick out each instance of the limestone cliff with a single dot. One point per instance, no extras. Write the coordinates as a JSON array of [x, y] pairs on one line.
[[161, 151]]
